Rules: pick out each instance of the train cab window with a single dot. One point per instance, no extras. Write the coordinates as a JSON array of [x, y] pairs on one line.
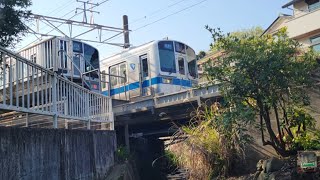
[[123, 73], [144, 66], [77, 46], [192, 68], [167, 57], [113, 73], [181, 65], [179, 47], [91, 56], [191, 55]]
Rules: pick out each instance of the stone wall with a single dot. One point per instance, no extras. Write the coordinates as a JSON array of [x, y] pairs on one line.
[[55, 153]]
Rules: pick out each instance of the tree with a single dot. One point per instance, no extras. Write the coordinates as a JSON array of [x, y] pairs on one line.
[[243, 33], [12, 15], [267, 74], [256, 31], [201, 55]]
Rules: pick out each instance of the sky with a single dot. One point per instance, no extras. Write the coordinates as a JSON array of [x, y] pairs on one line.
[[182, 20]]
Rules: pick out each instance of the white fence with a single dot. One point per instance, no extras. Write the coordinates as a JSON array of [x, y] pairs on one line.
[[27, 87]]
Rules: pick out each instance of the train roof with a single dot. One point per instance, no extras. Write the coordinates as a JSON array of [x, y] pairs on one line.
[[44, 40], [127, 50]]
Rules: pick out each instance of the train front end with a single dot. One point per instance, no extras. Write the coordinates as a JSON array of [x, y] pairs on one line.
[[177, 67]]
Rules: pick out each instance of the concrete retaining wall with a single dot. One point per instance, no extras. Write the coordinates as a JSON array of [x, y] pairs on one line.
[[55, 153]]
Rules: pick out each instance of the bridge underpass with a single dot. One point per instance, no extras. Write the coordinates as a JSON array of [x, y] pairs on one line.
[[158, 116]]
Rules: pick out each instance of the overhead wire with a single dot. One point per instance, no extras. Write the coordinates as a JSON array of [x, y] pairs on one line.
[[152, 14], [157, 11], [52, 29], [63, 6], [66, 5], [160, 19], [177, 12]]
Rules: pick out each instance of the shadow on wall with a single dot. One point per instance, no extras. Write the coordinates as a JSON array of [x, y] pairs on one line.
[[27, 153]]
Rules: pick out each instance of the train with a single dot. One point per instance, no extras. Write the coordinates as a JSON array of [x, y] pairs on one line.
[[70, 58], [155, 68]]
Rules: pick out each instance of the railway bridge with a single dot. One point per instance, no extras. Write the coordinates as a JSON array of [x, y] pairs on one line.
[[33, 96]]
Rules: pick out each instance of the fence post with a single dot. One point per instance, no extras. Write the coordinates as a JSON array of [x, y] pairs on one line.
[[54, 100], [88, 110], [111, 115]]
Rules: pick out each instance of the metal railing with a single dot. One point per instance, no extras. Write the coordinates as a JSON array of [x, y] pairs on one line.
[[27, 87]]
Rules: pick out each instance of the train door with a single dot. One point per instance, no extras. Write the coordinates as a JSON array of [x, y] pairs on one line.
[[145, 83], [182, 67]]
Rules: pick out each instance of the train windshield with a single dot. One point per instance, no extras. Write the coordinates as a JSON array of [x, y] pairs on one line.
[[91, 56], [166, 55], [191, 55]]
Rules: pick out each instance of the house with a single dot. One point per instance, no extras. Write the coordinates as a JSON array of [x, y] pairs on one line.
[[303, 25]]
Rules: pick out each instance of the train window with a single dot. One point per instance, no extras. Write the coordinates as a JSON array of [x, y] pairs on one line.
[[166, 55], [77, 46], [181, 65], [123, 70], [144, 66], [33, 58], [63, 54], [113, 73], [192, 68], [190, 53], [104, 79], [179, 47], [91, 56]]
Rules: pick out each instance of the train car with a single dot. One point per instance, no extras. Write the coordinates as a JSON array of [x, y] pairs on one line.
[[155, 68], [73, 59]]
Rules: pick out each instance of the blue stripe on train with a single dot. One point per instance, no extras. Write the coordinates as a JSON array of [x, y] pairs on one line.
[[146, 83]]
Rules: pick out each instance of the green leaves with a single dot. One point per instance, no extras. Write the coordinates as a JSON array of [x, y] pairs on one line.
[[12, 17], [263, 75]]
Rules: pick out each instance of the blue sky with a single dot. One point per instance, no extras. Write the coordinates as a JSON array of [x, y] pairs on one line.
[[186, 26]]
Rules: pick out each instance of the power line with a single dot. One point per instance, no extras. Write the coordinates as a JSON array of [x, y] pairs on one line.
[[189, 7], [177, 12], [154, 12], [63, 6], [157, 11]]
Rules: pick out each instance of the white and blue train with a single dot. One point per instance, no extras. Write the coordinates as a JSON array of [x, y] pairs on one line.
[[156, 68], [69, 58]]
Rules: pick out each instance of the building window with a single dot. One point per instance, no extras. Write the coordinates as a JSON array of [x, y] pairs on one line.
[[313, 4], [315, 43]]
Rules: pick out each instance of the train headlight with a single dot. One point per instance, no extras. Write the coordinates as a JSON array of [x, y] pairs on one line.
[[166, 81]]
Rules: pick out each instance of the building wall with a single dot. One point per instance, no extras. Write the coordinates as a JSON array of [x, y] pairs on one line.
[[55, 153], [300, 8]]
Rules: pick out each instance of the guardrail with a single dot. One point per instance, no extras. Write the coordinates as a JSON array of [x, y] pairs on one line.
[[28, 87]]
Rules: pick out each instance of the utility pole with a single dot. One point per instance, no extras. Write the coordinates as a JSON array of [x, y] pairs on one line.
[[126, 32]]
